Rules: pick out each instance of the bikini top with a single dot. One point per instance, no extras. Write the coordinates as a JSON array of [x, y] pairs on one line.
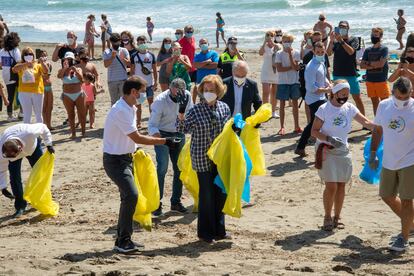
[[70, 80], [220, 21]]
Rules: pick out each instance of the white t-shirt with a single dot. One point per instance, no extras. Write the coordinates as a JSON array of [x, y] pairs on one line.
[[289, 77], [148, 59], [6, 62], [398, 134], [337, 121], [120, 122]]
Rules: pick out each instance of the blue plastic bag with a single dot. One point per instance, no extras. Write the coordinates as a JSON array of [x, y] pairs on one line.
[[367, 174]]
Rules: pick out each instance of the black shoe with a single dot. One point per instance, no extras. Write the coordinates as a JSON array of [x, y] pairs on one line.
[[65, 122], [158, 212], [125, 247], [225, 237], [179, 208], [18, 213], [7, 194]]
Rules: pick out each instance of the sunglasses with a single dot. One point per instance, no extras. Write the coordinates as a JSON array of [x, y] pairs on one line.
[[189, 32]]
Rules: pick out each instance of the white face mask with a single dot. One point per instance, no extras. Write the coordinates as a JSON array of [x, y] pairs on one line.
[[70, 41], [239, 81], [28, 58], [278, 39], [210, 97], [399, 104], [287, 45]]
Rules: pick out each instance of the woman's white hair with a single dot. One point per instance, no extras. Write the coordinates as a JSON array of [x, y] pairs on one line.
[[240, 64]]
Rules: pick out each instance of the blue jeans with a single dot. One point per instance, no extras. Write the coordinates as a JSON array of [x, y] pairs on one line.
[[16, 176], [162, 153]]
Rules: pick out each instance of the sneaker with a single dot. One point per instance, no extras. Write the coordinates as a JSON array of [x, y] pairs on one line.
[[20, 116], [128, 246], [7, 194], [275, 115], [399, 245], [179, 208], [395, 237], [158, 212], [11, 119], [18, 213], [227, 236], [300, 152]]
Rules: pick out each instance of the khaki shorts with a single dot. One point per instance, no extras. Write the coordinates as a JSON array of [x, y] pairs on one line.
[[397, 182]]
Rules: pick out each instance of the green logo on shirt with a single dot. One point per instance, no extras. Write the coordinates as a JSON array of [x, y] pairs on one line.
[[340, 121], [397, 124]]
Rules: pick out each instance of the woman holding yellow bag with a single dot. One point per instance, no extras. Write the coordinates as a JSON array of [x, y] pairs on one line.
[[205, 121]]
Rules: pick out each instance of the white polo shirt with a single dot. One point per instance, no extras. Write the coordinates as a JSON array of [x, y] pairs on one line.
[[120, 122]]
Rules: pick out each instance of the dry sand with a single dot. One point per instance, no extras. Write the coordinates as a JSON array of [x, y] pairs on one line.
[[278, 235]]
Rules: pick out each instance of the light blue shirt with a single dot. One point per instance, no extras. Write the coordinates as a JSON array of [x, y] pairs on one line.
[[315, 78], [164, 113], [238, 96], [116, 72]]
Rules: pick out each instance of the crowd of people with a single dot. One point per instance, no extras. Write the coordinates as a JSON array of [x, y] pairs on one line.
[[199, 92]]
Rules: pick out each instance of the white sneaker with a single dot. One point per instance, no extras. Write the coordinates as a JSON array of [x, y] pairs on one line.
[[11, 119], [275, 115]]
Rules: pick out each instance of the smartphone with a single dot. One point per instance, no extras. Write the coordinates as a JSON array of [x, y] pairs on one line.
[[38, 53], [336, 30]]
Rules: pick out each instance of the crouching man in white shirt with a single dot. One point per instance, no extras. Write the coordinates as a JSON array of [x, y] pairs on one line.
[[395, 123], [120, 141], [20, 141]]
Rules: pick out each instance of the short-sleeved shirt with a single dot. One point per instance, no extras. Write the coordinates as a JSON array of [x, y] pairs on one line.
[[62, 51], [225, 64], [291, 76], [375, 54], [160, 58], [31, 80], [120, 121], [337, 121], [200, 57], [345, 64], [398, 128], [148, 60], [117, 69], [7, 61], [189, 48]]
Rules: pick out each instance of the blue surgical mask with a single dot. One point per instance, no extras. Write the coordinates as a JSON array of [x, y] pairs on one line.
[[204, 47], [142, 98], [188, 35], [177, 36], [142, 47], [343, 32], [167, 46], [320, 58]]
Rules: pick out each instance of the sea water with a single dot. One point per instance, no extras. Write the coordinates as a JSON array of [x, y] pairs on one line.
[[248, 20]]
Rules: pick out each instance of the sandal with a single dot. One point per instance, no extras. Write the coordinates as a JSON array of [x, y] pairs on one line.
[[337, 223], [298, 130], [281, 132], [327, 224]]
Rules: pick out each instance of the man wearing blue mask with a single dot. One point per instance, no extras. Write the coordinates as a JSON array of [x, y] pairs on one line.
[[317, 85], [144, 64], [344, 48], [206, 61]]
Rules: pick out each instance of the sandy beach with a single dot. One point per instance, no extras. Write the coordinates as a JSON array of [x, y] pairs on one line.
[[278, 235]]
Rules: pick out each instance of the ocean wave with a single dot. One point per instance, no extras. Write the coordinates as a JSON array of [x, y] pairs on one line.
[[51, 3]]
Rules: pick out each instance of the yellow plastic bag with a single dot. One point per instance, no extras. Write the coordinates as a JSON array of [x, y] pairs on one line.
[[227, 153], [38, 188], [145, 176], [188, 176], [251, 138]]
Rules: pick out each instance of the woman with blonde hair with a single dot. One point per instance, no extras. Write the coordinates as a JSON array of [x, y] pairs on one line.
[[333, 122], [269, 76], [31, 85], [205, 121]]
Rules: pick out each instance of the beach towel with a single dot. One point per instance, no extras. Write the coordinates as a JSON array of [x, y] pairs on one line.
[[146, 180], [38, 187]]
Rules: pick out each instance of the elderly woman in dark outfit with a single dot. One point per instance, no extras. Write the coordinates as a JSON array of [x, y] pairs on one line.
[[204, 122]]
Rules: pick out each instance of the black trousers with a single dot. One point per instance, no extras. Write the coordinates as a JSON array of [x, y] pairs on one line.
[[303, 141], [119, 169], [11, 90], [211, 202]]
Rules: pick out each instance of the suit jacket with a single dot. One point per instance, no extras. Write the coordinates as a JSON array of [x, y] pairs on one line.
[[250, 97]]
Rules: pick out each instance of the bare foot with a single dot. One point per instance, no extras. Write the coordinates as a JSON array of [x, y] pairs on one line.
[[91, 126]]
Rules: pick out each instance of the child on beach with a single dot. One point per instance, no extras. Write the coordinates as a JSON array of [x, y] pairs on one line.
[[48, 93], [90, 90], [150, 28]]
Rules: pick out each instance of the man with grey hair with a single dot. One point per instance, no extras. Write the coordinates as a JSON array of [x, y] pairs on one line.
[[395, 124], [161, 123], [242, 92]]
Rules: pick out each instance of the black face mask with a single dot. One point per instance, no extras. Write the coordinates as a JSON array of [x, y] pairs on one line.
[[70, 62], [409, 59], [341, 101], [375, 40], [173, 98], [115, 46]]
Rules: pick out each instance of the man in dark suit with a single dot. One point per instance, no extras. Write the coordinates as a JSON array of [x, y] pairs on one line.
[[242, 92]]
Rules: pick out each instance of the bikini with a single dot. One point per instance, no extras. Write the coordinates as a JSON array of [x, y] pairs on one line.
[[221, 29], [73, 80]]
